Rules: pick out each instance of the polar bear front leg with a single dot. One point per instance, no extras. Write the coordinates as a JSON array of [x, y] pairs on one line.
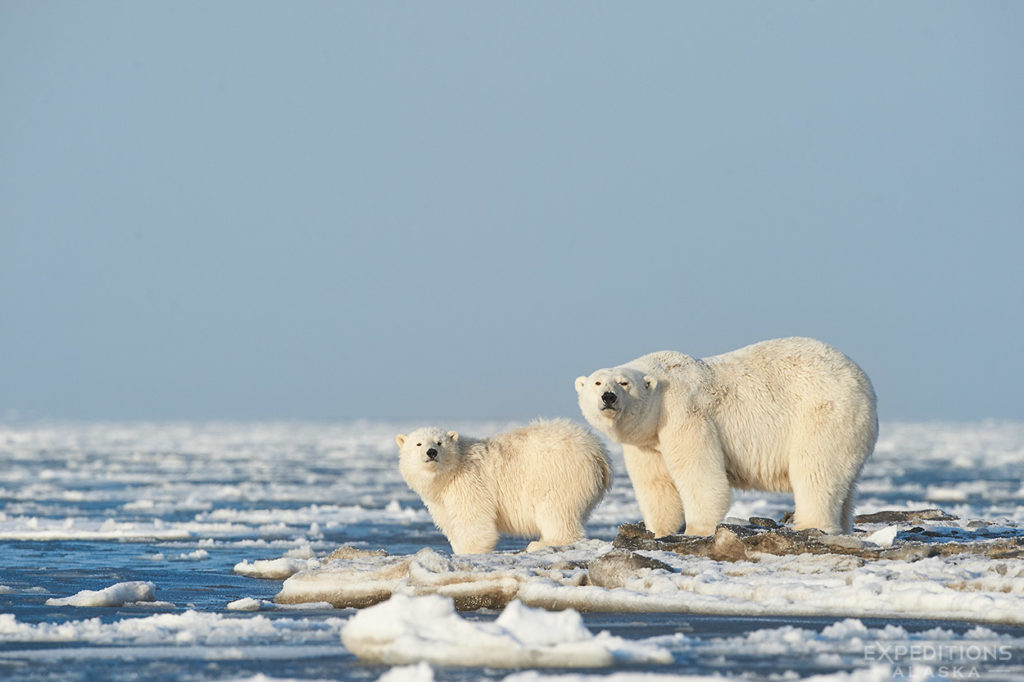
[[472, 534], [657, 495], [695, 460]]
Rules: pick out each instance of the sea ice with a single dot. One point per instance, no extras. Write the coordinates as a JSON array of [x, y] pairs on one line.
[[960, 587], [174, 629], [407, 629], [298, 490], [244, 604], [874, 674], [883, 537], [421, 672], [250, 604], [116, 595], [275, 569]]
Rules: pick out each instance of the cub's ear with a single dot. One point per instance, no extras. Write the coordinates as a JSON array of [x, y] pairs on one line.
[[650, 382], [400, 439], [453, 435], [580, 383]]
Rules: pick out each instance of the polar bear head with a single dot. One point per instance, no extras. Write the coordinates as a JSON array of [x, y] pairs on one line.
[[623, 402], [425, 454]]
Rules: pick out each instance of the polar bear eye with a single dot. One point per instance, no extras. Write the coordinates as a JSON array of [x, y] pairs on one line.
[[624, 384], [597, 383], [419, 444]]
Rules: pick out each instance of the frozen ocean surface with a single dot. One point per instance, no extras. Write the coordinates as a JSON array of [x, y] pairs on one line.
[[156, 551]]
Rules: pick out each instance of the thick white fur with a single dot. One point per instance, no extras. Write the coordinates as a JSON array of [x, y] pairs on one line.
[[540, 480], [781, 415]]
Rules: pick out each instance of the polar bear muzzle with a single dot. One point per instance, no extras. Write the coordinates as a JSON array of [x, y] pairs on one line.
[[608, 400]]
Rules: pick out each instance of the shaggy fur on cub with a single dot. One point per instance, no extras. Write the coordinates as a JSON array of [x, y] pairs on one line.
[[541, 480]]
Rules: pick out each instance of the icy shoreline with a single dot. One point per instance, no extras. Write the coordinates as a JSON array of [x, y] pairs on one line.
[[743, 570]]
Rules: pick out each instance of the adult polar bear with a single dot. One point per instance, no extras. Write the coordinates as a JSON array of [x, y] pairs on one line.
[[781, 415]]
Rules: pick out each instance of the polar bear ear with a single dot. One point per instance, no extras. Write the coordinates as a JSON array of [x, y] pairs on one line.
[[580, 383], [400, 439], [453, 435], [650, 382]]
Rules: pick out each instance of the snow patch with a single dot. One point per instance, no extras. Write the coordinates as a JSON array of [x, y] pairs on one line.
[[174, 629], [958, 587], [275, 569], [883, 537], [119, 594], [421, 672], [406, 630], [244, 604]]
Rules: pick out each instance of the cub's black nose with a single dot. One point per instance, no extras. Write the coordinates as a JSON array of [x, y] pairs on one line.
[[432, 453], [609, 398]]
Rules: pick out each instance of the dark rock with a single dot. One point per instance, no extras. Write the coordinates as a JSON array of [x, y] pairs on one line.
[[728, 545], [568, 565], [738, 543], [905, 516], [613, 568], [762, 522], [907, 552], [635, 530], [740, 531]]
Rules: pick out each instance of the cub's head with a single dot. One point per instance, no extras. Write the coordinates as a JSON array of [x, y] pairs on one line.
[[621, 401], [427, 452]]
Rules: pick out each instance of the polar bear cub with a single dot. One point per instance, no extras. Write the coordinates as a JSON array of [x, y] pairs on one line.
[[781, 415], [541, 480]]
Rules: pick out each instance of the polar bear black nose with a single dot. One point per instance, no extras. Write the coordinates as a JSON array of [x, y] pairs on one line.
[[432, 453], [609, 398]]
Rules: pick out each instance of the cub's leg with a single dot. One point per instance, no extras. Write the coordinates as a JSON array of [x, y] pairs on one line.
[[558, 526], [472, 534]]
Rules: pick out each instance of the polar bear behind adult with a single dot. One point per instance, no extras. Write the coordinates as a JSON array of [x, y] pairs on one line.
[[785, 415], [540, 480]]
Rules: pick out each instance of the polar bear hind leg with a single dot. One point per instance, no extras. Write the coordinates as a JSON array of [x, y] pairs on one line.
[[823, 481], [558, 526], [818, 505], [825, 462], [847, 513], [848, 503]]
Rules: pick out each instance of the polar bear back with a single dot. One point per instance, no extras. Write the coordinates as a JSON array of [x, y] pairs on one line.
[[541, 462], [770, 397]]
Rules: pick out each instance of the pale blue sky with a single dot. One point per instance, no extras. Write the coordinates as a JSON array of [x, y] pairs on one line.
[[439, 210]]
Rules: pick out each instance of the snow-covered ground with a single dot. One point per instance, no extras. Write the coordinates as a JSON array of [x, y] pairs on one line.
[[149, 550]]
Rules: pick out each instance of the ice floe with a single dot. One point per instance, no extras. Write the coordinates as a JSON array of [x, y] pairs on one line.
[[883, 537], [119, 594], [812, 575], [174, 629], [866, 653], [412, 629]]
